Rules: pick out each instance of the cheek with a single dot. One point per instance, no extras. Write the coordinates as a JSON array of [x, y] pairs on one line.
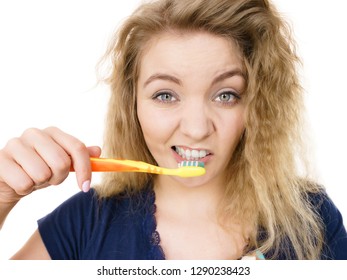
[[232, 136], [156, 125]]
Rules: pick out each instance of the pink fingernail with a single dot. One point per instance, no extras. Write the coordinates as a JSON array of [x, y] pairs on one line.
[[86, 186]]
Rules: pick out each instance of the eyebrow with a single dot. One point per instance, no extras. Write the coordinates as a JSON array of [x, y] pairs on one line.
[[161, 76], [219, 78], [229, 74]]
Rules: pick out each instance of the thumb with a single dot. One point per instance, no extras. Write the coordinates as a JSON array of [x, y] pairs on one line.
[[94, 151]]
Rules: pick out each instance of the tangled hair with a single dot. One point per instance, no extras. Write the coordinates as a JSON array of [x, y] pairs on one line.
[[263, 186]]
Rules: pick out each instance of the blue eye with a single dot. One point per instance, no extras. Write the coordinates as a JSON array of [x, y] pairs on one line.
[[165, 97], [227, 97]]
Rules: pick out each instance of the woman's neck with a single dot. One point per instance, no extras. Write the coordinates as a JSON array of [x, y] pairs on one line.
[[189, 225], [180, 199]]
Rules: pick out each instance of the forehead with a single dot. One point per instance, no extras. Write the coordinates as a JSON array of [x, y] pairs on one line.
[[189, 52]]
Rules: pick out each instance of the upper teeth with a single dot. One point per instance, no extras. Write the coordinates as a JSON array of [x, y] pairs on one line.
[[191, 154]]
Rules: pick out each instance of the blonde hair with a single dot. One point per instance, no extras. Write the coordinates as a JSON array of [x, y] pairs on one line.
[[263, 186]]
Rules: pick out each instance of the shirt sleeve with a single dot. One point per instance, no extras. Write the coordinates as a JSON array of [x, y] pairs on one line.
[[66, 231], [335, 247]]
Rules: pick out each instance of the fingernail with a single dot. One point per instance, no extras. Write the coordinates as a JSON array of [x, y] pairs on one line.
[[86, 186]]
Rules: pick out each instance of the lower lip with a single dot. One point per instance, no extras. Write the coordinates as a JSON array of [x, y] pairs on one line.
[[179, 159]]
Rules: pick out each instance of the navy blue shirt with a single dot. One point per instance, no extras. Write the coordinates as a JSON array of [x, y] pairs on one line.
[[124, 228]]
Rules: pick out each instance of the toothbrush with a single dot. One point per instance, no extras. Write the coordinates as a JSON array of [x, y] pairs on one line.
[[185, 168]]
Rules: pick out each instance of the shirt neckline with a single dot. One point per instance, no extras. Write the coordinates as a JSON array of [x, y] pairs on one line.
[[156, 252]]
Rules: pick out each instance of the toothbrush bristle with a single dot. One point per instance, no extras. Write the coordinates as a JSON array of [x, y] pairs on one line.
[[191, 163]]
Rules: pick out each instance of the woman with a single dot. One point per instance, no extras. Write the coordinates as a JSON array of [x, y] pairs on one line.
[[213, 81]]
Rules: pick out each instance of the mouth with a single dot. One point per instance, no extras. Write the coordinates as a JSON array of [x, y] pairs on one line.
[[186, 153]]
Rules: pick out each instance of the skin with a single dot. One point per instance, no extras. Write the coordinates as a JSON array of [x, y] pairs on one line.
[[203, 110], [190, 91], [35, 160], [191, 111]]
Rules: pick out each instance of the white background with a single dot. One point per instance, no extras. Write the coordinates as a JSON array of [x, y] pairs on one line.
[[48, 54]]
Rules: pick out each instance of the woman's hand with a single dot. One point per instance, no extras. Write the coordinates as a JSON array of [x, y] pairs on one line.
[[40, 158]]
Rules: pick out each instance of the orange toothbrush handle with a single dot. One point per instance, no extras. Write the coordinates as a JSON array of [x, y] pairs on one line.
[[99, 164], [109, 165]]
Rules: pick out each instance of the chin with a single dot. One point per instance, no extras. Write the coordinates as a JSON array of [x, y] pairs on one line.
[[195, 182]]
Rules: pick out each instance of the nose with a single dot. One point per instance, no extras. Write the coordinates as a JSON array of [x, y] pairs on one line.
[[196, 121]]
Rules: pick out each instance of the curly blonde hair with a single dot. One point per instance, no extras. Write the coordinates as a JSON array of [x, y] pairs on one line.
[[263, 187]]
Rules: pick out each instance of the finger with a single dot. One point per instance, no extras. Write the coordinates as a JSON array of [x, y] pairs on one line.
[[15, 177], [94, 151], [52, 155], [78, 153], [27, 158]]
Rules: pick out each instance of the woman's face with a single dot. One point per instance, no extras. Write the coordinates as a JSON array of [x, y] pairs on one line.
[[190, 101]]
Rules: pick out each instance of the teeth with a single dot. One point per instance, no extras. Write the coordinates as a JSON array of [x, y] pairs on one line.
[[190, 154], [195, 153], [202, 153]]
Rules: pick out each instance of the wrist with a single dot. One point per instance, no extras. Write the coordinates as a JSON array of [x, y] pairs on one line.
[[5, 209]]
